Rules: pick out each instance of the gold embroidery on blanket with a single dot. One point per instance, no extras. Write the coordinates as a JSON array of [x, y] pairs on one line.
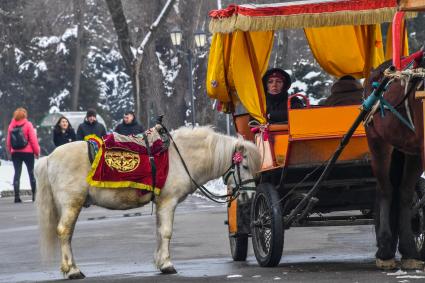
[[123, 161]]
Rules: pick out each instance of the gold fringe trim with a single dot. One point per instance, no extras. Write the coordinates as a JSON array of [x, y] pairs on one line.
[[122, 184], [249, 23]]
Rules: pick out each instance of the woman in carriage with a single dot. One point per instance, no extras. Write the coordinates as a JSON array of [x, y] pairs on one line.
[[276, 83]]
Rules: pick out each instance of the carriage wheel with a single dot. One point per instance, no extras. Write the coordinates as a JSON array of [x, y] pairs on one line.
[[239, 247], [267, 226], [418, 221]]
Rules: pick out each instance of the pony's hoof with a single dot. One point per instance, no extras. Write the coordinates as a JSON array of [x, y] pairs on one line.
[[169, 270], [76, 275], [411, 264], [388, 264]]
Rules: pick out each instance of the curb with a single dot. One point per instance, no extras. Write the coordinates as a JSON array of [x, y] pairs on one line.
[[5, 194]]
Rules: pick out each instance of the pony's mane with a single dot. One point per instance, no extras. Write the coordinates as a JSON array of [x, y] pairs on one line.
[[220, 147], [378, 72]]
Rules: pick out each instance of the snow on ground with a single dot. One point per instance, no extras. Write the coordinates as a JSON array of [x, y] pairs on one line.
[[6, 177], [7, 172], [216, 186]]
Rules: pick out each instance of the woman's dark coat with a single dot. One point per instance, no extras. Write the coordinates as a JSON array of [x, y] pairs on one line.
[[60, 138], [277, 107]]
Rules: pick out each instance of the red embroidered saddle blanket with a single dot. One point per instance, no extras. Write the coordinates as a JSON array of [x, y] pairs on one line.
[[123, 161]]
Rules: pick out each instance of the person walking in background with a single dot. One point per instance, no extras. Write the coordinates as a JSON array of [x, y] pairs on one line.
[[23, 145], [63, 132], [90, 126], [129, 125]]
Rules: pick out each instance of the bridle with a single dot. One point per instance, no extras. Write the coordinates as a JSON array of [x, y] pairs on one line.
[[240, 185]]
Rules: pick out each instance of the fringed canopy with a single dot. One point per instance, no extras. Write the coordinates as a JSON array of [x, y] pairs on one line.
[[302, 14]]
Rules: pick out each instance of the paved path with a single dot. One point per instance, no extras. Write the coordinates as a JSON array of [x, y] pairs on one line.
[[118, 246]]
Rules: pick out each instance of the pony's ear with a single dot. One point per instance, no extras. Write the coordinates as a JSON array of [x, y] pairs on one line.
[[239, 146]]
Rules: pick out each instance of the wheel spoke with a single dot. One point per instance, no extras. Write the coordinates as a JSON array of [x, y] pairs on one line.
[[263, 224], [267, 226]]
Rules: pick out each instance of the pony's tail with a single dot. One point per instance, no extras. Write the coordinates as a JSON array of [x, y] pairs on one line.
[[46, 209]]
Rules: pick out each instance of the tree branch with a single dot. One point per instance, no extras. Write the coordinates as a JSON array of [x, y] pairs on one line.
[[148, 37]]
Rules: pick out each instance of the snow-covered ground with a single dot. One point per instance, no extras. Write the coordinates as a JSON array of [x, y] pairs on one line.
[[6, 179]]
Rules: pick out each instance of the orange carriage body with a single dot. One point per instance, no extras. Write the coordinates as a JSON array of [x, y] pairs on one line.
[[312, 134]]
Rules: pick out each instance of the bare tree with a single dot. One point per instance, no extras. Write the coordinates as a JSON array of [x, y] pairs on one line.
[[133, 59]]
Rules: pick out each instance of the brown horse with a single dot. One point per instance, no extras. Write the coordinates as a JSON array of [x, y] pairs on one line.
[[396, 161]]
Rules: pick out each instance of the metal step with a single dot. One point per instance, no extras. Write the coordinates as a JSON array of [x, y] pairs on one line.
[[335, 221]]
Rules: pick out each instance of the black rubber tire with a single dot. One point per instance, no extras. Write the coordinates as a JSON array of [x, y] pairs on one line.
[[418, 220], [267, 226], [239, 247]]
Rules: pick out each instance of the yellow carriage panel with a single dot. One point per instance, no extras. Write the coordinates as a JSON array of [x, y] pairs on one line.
[[280, 146], [320, 150], [315, 133], [323, 122], [242, 127], [312, 136], [232, 216]]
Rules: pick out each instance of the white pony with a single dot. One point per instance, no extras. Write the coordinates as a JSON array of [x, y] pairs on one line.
[[62, 188]]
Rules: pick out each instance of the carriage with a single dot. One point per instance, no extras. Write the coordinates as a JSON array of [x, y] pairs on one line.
[[345, 38]]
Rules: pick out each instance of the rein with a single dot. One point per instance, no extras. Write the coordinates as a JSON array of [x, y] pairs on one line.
[[405, 76], [409, 72], [227, 198]]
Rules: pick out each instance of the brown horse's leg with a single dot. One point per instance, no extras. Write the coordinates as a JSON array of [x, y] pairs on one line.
[[65, 230], [164, 224], [407, 247], [381, 162]]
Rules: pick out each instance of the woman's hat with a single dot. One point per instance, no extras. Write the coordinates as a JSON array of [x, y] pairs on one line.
[[277, 73]]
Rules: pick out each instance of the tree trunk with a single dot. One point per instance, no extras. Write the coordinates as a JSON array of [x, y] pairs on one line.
[[78, 15], [132, 61]]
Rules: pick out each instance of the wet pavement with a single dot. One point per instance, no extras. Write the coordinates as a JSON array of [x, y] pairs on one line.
[[118, 246]]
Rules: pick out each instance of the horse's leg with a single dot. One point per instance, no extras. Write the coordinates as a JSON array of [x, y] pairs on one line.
[[164, 224], [381, 162], [65, 230], [407, 247], [396, 174]]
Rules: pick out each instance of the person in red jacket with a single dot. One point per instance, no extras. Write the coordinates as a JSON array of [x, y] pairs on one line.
[[23, 153]]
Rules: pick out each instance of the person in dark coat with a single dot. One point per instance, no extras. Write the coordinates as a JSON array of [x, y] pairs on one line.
[[345, 91], [276, 83], [90, 126], [63, 132], [129, 125]]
